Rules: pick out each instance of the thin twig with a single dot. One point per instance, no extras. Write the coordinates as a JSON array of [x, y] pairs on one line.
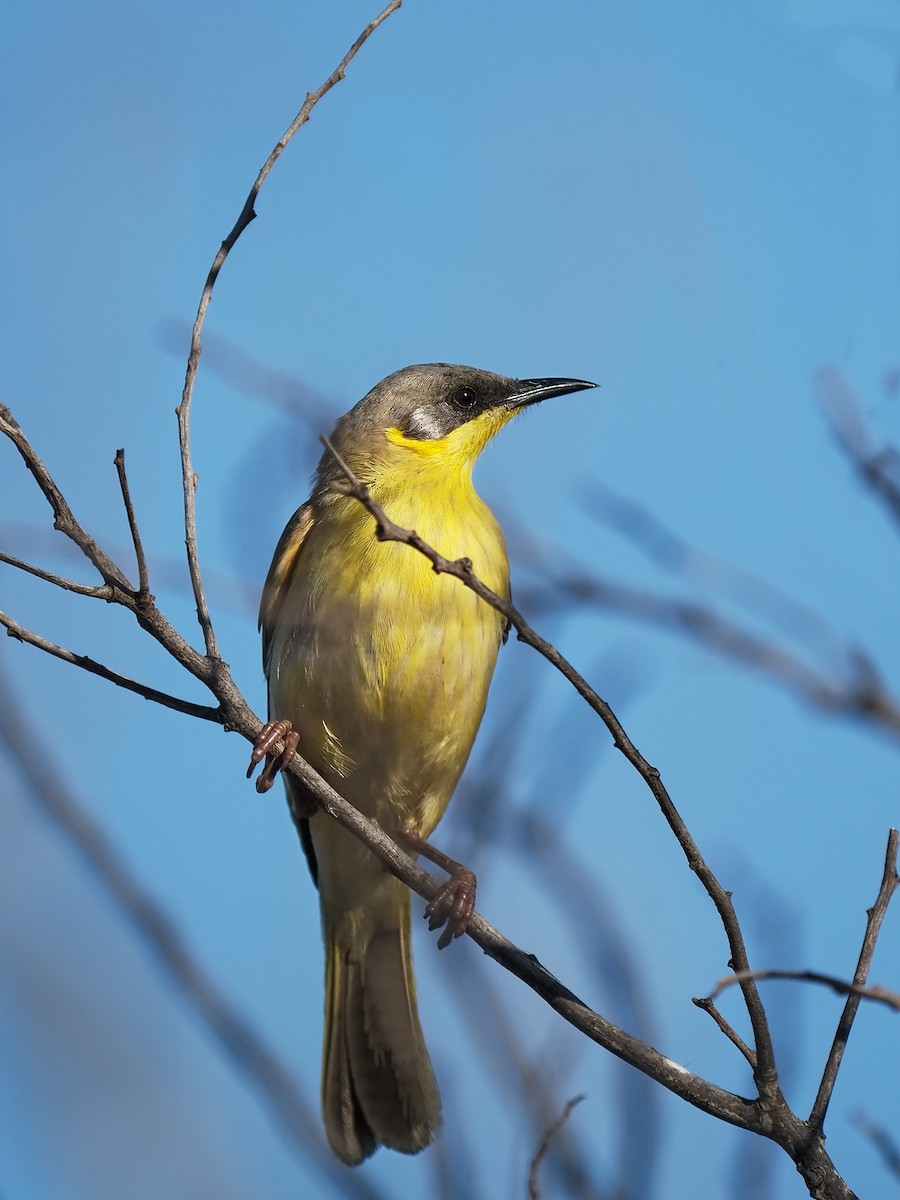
[[120, 591], [105, 592], [143, 580], [880, 994], [889, 883], [533, 1190], [386, 530], [236, 593], [705, 1003], [247, 214], [21, 634], [63, 519]]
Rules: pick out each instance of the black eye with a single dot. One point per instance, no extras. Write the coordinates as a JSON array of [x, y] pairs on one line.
[[465, 399]]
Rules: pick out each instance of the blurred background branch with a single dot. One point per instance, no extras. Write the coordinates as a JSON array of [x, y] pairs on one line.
[[296, 1113]]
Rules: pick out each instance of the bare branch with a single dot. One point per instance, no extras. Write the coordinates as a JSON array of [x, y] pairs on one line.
[[63, 518], [189, 485], [143, 581], [768, 1115], [879, 468], [118, 590], [21, 634], [68, 585], [247, 214], [533, 1190], [238, 594], [705, 1003], [386, 530], [880, 994], [234, 713], [889, 883], [699, 1092]]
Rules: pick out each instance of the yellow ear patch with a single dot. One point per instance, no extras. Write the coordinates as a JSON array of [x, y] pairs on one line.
[[462, 446], [426, 446]]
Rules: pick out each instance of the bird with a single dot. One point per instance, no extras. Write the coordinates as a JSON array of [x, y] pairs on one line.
[[378, 669]]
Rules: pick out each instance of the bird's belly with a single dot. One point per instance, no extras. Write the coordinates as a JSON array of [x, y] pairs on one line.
[[387, 687], [383, 668]]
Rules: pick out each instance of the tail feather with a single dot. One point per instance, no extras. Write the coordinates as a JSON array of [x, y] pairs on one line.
[[348, 1131], [378, 1086]]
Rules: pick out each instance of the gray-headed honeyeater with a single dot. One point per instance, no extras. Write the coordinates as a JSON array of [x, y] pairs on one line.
[[381, 668]]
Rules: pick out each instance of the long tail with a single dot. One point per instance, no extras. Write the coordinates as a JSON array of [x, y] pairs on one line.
[[378, 1086]]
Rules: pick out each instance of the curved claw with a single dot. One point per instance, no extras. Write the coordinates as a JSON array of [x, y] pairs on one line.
[[271, 733], [452, 906]]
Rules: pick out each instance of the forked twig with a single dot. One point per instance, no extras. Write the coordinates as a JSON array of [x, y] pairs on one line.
[[539, 1154], [706, 1004], [63, 518]]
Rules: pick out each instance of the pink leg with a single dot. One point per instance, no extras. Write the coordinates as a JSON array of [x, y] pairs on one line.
[[272, 732], [454, 903]]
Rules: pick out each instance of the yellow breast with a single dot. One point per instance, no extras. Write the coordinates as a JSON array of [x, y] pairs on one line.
[[381, 665]]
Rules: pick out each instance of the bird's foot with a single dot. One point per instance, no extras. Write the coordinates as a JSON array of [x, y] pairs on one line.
[[452, 906], [272, 732], [454, 902]]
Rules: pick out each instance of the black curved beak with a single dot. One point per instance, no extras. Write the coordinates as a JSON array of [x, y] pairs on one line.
[[532, 391]]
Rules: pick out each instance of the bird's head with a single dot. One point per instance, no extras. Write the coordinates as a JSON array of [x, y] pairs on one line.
[[438, 414]]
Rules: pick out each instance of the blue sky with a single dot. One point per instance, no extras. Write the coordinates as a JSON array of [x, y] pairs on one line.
[[696, 206]]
